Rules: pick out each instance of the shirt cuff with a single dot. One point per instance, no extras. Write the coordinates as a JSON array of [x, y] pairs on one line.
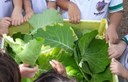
[[125, 39]]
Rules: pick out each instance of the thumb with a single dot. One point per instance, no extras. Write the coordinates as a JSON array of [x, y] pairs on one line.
[[114, 60]]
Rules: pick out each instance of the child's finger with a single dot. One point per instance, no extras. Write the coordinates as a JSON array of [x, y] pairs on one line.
[[8, 19]]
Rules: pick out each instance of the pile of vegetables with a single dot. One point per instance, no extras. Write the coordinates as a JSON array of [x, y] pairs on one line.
[[48, 37]]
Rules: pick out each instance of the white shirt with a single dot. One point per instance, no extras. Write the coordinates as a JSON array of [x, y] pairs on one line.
[[6, 8], [96, 9], [40, 5]]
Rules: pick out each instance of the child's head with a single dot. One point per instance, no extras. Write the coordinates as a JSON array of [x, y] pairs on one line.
[[53, 77], [9, 71]]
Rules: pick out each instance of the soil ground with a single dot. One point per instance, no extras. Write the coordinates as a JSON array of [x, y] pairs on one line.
[[124, 23]]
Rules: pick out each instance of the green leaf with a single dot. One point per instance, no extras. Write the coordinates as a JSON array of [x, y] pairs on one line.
[[23, 29], [58, 35], [94, 52], [31, 51], [106, 76], [65, 58], [48, 17], [94, 58], [27, 52], [85, 41]]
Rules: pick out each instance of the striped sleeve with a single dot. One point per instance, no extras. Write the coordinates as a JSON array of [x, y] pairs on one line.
[[125, 39], [115, 6]]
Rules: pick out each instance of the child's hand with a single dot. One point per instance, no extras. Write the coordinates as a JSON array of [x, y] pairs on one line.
[[117, 68], [73, 13], [58, 67], [17, 17], [26, 71], [4, 24], [116, 50], [28, 15], [111, 35]]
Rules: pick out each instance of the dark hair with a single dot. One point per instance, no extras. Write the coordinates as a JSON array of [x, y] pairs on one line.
[[52, 76], [9, 71]]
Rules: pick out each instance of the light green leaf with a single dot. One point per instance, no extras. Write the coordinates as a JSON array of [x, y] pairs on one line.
[[24, 29], [48, 17], [27, 52], [31, 51], [58, 35]]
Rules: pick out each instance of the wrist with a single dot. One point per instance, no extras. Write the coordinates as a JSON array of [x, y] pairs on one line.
[[112, 26]]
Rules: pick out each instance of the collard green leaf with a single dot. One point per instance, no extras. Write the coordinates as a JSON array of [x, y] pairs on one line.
[[105, 76], [23, 29], [27, 52], [95, 53], [94, 58], [86, 40], [58, 35], [31, 51], [48, 17], [65, 58]]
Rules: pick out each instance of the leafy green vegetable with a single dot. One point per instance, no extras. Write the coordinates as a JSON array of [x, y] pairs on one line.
[[27, 52], [93, 58], [58, 35], [48, 17], [64, 57], [23, 29]]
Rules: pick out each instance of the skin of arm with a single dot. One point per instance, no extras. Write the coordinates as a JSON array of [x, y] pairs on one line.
[[52, 4], [63, 4], [28, 9], [17, 17], [111, 33]]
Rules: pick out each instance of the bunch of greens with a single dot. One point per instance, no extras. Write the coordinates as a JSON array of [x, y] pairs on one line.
[[47, 37]]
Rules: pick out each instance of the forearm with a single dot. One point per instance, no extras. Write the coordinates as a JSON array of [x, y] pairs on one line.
[[52, 4], [125, 74], [115, 19], [63, 4], [17, 4], [27, 5]]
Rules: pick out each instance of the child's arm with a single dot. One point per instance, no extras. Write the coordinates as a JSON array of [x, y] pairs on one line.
[[63, 4], [111, 33], [73, 11], [118, 69], [17, 17], [28, 9], [52, 4]]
